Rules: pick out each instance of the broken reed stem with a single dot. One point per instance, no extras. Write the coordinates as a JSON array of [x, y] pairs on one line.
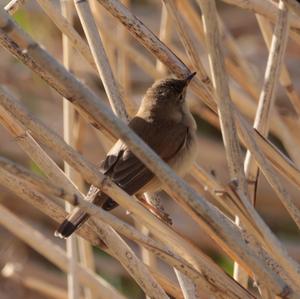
[[55, 254], [68, 125], [158, 228], [268, 93], [100, 57]]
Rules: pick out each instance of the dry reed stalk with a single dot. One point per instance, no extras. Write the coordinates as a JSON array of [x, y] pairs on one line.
[[21, 188], [165, 35], [43, 186], [33, 282], [248, 215], [135, 56], [54, 253], [123, 67], [14, 5], [86, 255], [284, 165], [266, 8], [116, 246], [100, 57], [285, 78], [64, 26], [227, 207], [122, 195], [267, 96], [227, 122], [58, 177], [189, 289], [287, 140], [208, 103], [60, 192], [189, 46], [166, 235], [293, 5], [279, 129], [168, 9], [236, 65], [246, 78], [143, 35], [171, 289], [104, 20], [68, 125], [121, 227], [91, 96]]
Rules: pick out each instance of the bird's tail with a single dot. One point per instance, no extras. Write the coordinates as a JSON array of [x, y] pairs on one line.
[[78, 217]]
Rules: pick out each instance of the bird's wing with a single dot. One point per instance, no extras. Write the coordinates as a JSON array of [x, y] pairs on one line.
[[126, 170]]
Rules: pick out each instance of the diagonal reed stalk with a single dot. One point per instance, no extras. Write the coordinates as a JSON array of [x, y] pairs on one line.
[[254, 246], [116, 125]]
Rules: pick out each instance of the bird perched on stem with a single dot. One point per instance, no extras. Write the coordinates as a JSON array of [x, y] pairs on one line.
[[165, 123]]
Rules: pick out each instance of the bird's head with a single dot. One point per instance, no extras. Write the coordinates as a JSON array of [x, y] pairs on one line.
[[166, 95]]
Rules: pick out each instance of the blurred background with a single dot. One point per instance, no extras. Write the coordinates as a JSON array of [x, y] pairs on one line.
[[46, 104]]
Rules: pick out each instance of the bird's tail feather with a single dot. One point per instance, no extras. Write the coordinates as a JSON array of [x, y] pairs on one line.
[[67, 227], [78, 217]]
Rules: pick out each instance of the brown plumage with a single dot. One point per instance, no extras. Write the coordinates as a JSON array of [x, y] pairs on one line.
[[165, 123]]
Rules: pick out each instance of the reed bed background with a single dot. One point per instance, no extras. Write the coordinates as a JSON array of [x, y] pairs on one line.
[[73, 74]]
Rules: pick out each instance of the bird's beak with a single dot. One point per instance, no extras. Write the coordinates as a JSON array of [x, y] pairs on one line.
[[190, 77]]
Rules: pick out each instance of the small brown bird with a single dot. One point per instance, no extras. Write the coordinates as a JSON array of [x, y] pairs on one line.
[[165, 123]]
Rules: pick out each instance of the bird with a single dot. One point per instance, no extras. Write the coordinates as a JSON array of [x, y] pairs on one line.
[[165, 123]]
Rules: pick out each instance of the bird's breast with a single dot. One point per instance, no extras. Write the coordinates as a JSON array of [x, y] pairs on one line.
[[185, 158]]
